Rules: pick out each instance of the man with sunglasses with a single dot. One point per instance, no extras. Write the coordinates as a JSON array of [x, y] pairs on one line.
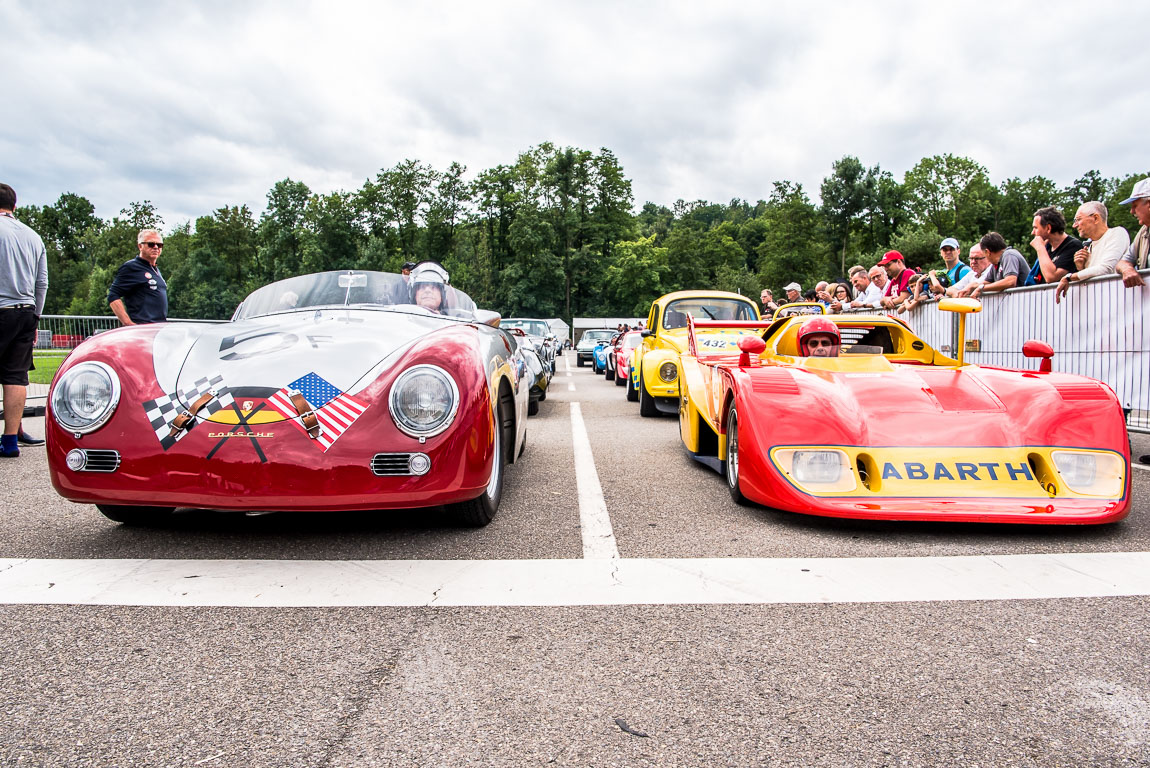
[[139, 294], [819, 337]]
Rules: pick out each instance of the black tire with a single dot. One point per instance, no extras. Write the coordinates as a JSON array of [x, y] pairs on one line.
[[578, 361], [610, 374], [478, 512], [731, 464], [141, 516], [543, 393], [632, 395], [646, 400], [620, 381], [533, 407]]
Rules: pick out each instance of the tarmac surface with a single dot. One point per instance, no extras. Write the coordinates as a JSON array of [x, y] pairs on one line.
[[1026, 682]]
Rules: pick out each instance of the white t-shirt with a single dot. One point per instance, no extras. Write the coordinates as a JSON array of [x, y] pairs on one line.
[[1105, 253], [970, 279], [871, 297]]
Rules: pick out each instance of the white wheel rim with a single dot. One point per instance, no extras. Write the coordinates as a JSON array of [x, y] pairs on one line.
[[496, 468], [733, 450]]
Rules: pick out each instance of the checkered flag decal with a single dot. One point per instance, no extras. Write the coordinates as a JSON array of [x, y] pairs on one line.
[[162, 411]]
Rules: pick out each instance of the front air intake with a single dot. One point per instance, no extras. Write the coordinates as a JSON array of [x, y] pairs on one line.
[[400, 464]]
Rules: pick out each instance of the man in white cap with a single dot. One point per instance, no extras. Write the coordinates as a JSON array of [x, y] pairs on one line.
[[1138, 254], [793, 292]]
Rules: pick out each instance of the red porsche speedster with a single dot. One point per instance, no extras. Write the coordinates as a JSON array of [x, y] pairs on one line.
[[332, 391]]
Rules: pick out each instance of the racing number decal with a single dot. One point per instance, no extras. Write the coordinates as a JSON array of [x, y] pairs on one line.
[[269, 346]]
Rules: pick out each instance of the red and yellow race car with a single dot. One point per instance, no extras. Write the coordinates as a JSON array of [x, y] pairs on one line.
[[879, 425]]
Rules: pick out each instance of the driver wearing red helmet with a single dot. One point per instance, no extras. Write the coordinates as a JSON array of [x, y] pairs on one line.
[[819, 337]]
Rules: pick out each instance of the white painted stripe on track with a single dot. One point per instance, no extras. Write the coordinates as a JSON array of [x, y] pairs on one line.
[[718, 581], [571, 387], [594, 522], [1142, 467]]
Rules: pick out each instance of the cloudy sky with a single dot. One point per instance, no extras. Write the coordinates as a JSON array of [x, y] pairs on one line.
[[195, 105]]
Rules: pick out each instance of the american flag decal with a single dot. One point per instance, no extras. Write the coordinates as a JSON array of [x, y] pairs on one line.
[[162, 411], [335, 410]]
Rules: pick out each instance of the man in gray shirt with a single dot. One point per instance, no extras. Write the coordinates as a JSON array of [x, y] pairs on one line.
[[23, 287], [1008, 268]]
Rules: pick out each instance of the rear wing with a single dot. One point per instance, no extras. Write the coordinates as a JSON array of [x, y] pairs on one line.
[[694, 326]]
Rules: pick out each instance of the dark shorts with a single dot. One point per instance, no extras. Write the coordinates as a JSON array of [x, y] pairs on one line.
[[17, 338]]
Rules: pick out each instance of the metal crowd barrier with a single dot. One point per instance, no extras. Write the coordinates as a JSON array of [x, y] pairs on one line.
[[1101, 329]]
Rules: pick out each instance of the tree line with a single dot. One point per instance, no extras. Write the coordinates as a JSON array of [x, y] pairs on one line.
[[555, 233]]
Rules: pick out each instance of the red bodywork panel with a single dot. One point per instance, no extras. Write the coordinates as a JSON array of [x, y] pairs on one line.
[[784, 402], [297, 475]]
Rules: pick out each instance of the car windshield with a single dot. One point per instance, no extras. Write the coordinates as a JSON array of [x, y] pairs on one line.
[[374, 290], [597, 336], [533, 327], [632, 340], [675, 315]]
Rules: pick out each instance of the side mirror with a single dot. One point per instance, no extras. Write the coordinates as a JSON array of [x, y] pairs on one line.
[[750, 345], [962, 306], [648, 332], [1036, 348], [487, 317]]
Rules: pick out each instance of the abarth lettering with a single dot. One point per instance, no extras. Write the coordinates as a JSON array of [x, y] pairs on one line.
[[962, 470]]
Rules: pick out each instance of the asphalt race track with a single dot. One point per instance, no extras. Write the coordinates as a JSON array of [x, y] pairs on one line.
[[620, 610]]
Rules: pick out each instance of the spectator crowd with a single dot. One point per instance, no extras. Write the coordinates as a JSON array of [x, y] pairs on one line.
[[1058, 258]]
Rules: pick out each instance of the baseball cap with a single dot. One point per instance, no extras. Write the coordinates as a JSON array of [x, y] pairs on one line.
[[792, 287], [949, 242], [1141, 190], [890, 256]]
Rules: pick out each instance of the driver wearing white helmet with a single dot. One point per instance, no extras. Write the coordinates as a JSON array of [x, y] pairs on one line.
[[429, 287]]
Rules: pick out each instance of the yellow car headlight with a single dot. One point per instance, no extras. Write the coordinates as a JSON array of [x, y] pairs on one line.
[[668, 371], [1090, 473]]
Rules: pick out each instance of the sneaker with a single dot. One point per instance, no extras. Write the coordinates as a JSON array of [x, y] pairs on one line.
[[26, 439], [1144, 458], [9, 454]]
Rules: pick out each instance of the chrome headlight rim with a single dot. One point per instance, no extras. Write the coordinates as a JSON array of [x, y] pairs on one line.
[[668, 372], [109, 408], [397, 387]]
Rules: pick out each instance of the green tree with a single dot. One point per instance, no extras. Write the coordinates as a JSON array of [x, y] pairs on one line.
[[845, 196], [951, 194], [67, 228], [217, 274], [281, 232], [793, 248], [636, 277]]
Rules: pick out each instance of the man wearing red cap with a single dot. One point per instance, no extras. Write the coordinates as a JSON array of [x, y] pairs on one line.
[[898, 288]]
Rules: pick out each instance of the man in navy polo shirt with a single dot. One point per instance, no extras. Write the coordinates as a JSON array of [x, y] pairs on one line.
[[139, 294]]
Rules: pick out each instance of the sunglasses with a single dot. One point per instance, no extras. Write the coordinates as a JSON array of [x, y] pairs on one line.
[[153, 245], [820, 343]]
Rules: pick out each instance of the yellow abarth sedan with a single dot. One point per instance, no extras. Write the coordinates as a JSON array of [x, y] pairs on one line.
[[655, 365]]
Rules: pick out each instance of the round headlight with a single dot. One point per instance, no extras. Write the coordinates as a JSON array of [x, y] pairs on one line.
[[667, 372], [85, 397], [424, 400]]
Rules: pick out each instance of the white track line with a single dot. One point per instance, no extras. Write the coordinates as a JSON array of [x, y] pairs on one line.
[[722, 581], [594, 522], [571, 387]]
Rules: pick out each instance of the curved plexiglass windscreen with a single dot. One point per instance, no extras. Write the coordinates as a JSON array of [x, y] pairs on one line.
[[530, 327], [382, 290], [675, 315]]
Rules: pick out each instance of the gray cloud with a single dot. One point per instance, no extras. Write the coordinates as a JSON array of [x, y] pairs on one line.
[[194, 106]]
